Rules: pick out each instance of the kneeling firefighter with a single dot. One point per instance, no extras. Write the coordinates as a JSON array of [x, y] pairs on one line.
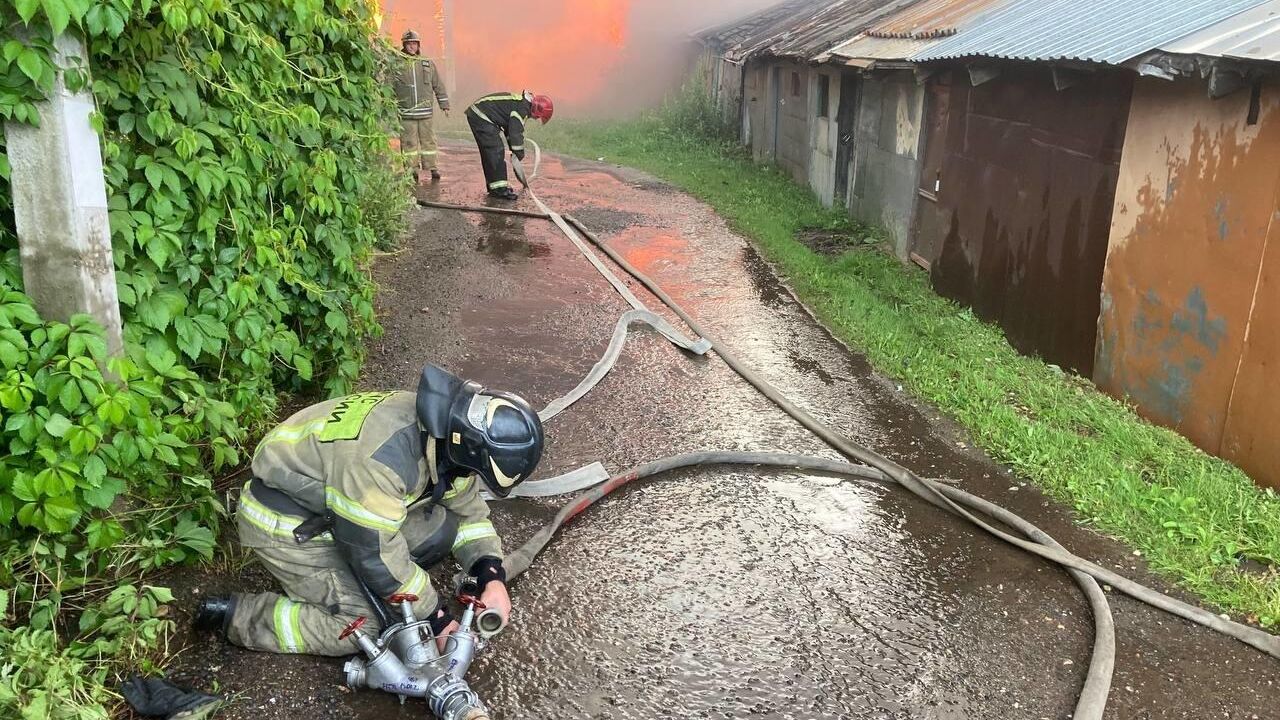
[[498, 114], [375, 487]]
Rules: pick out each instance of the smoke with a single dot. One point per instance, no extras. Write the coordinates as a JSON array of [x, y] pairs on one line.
[[594, 57]]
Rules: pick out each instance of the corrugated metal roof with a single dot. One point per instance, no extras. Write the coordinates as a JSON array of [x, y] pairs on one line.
[[817, 33], [913, 29], [930, 19], [802, 29], [1101, 31], [1252, 35], [757, 25]]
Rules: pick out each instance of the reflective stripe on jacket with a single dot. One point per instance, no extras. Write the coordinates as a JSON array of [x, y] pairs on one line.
[[508, 111], [418, 86], [360, 460]]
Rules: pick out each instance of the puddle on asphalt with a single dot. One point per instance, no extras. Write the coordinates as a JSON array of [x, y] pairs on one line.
[[775, 596]]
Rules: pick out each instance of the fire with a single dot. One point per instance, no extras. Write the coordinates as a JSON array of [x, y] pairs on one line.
[[564, 48]]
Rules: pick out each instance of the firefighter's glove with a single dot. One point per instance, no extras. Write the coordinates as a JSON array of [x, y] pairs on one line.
[[157, 697], [439, 621], [487, 570]]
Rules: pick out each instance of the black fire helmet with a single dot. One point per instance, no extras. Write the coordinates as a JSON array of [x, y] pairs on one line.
[[496, 435]]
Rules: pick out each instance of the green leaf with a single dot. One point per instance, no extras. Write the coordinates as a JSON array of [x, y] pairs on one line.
[[58, 13], [102, 496], [336, 321], [11, 50], [70, 397], [94, 470], [104, 533], [93, 20], [61, 513], [158, 251], [24, 488], [155, 175], [212, 327], [31, 63], [195, 537], [189, 336], [162, 361], [303, 364], [26, 9], [21, 310], [58, 425], [10, 356], [86, 343], [160, 309], [115, 23]]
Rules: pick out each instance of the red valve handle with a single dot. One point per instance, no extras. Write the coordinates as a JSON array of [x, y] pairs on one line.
[[473, 601], [353, 627], [403, 598]]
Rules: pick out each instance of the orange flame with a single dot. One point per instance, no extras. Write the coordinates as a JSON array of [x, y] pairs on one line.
[[567, 50], [564, 48]]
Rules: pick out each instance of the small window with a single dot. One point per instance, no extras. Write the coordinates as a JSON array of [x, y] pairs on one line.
[[795, 84], [824, 96]]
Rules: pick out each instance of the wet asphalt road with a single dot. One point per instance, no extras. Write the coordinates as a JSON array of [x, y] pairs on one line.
[[725, 593]]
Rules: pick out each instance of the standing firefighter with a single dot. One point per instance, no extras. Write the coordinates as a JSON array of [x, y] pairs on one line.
[[498, 114], [418, 86], [375, 487]]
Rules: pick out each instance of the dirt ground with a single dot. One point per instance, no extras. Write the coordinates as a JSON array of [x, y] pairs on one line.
[[724, 593]]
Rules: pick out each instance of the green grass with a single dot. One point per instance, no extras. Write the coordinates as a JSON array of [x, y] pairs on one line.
[[1195, 518]]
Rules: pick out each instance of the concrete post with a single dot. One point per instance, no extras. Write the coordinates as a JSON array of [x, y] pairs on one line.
[[60, 205]]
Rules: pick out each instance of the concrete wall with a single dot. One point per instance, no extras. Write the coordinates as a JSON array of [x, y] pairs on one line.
[[793, 149], [886, 165], [1190, 322], [776, 124], [778, 115], [824, 134]]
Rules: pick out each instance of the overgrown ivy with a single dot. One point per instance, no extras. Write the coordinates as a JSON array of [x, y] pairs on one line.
[[246, 152]]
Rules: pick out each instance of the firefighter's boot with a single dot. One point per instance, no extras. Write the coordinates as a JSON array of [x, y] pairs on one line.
[[213, 614]]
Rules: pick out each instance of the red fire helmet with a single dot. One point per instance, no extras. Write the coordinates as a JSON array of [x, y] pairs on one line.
[[543, 108]]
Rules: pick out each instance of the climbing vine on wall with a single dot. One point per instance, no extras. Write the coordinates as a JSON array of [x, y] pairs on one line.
[[246, 155]]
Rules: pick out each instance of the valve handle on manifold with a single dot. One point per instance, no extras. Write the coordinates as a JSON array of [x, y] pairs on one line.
[[402, 598], [473, 601], [351, 629]]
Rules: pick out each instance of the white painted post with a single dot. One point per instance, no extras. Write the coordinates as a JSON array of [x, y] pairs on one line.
[[60, 205]]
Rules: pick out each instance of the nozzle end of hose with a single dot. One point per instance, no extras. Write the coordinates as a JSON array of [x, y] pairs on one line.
[[489, 623]]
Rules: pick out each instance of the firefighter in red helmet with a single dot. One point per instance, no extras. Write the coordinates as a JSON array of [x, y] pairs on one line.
[[504, 114]]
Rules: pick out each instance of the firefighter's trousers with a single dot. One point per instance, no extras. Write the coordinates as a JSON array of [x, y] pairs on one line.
[[493, 151], [418, 143], [321, 595]]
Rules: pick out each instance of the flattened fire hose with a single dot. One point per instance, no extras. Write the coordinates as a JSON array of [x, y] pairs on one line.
[[877, 469]]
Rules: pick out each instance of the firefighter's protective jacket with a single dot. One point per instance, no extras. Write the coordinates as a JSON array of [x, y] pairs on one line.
[[361, 460], [508, 111], [417, 84]]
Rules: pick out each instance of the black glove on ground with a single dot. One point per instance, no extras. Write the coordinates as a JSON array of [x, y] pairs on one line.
[[157, 697]]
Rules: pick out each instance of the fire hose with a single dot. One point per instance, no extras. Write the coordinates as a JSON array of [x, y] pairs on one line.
[[873, 468]]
